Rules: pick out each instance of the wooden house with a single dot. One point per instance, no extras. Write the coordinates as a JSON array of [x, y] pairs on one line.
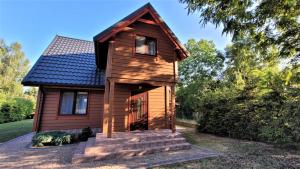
[[123, 80]]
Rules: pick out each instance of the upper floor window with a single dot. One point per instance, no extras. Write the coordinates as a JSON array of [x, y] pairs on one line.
[[73, 103], [145, 45]]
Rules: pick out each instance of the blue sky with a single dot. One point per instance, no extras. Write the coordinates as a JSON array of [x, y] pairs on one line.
[[34, 23]]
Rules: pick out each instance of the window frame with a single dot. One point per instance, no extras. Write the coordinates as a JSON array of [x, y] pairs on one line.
[[149, 37], [74, 102]]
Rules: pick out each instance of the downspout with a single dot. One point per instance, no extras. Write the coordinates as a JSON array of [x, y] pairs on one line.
[[40, 113]]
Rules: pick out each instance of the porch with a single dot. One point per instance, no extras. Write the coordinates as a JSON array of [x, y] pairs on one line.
[[137, 105]]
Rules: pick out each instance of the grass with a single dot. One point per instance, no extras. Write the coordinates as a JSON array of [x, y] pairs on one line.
[[238, 154], [12, 130]]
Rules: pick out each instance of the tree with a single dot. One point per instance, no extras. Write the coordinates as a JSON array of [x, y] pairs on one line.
[[198, 73], [13, 67], [269, 22]]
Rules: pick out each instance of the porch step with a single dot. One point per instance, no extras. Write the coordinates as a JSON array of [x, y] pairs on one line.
[[100, 147], [83, 158], [124, 145], [100, 138]]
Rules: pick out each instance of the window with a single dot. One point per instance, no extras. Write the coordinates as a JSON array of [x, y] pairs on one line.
[[73, 103], [145, 45]]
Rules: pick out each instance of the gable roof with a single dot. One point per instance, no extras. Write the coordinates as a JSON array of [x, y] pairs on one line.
[[148, 8], [66, 62]]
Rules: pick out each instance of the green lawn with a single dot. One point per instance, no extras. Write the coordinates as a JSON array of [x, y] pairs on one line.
[[12, 130], [239, 154]]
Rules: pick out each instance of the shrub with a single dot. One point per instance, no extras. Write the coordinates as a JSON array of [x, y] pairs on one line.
[[57, 138], [273, 117], [85, 134], [15, 109]]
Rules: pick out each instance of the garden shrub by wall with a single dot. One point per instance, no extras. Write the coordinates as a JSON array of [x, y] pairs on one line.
[[57, 138]]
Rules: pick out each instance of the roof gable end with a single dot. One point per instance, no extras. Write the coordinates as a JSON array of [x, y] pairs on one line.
[[135, 16]]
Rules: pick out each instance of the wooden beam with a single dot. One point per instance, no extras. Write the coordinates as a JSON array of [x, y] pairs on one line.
[[173, 109], [106, 116], [111, 107], [147, 21], [166, 107], [109, 58], [128, 29], [37, 110], [139, 81], [106, 109], [40, 110]]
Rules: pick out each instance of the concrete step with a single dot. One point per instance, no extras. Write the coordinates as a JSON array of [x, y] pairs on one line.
[[81, 158], [100, 138], [100, 147]]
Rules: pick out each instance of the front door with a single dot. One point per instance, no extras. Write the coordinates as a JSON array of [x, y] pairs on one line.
[[138, 117]]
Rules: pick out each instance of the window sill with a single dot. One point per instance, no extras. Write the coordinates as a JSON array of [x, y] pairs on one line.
[[63, 115], [146, 54], [72, 117]]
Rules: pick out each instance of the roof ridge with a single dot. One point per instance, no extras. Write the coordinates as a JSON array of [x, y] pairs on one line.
[[50, 45], [72, 38]]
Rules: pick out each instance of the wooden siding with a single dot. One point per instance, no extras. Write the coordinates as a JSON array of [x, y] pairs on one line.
[[127, 64], [121, 108], [157, 116], [52, 121]]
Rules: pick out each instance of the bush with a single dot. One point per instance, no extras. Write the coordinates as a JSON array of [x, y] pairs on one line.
[[57, 138], [273, 118], [15, 109], [85, 134]]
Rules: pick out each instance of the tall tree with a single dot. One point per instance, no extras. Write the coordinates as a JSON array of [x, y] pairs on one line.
[[198, 73], [270, 22], [13, 67]]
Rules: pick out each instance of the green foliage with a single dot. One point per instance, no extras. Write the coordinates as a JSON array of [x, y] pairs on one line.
[[57, 138], [269, 22], [15, 109], [85, 134], [14, 105], [254, 97], [13, 67], [197, 74]]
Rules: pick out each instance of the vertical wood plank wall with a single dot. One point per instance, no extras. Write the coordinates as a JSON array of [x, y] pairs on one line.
[[52, 121], [121, 107], [127, 64], [156, 119]]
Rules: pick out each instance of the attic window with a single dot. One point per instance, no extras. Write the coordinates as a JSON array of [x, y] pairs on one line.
[[145, 45]]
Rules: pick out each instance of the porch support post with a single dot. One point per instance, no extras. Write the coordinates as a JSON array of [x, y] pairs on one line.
[[111, 107], [106, 109], [109, 87], [173, 117]]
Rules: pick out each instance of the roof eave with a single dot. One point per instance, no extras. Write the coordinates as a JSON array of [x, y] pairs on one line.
[[36, 84]]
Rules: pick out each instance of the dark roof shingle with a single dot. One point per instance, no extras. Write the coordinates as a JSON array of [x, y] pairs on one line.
[[66, 62]]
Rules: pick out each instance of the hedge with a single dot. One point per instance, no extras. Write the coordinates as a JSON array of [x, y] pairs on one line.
[[16, 109]]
